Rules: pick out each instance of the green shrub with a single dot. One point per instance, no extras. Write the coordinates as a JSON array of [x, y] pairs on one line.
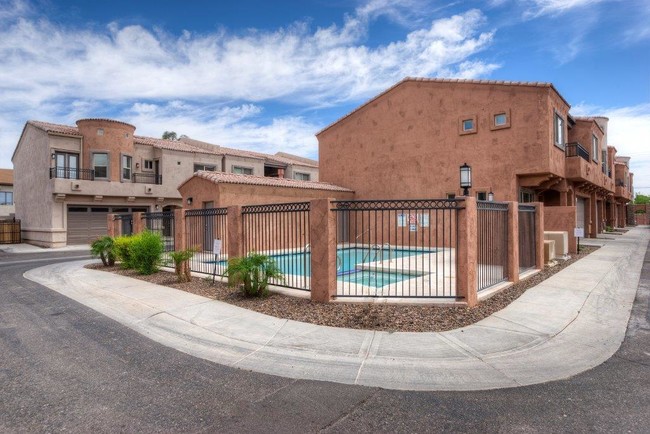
[[180, 258], [104, 249], [252, 273], [122, 250], [145, 252]]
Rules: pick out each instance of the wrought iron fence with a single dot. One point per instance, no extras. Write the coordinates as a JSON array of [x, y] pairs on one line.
[[203, 227], [492, 243], [72, 173], [576, 150], [527, 239], [162, 223], [10, 232], [397, 248], [126, 225], [281, 231], [147, 178]]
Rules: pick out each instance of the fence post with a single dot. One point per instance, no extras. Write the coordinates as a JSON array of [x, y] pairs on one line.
[[539, 235], [180, 237], [466, 284], [513, 241], [235, 232], [138, 225], [110, 226], [322, 234]]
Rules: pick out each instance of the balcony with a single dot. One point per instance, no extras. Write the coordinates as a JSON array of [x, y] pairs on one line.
[[576, 150], [147, 178], [72, 173]]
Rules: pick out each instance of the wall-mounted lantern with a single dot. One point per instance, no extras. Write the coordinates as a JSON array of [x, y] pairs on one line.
[[465, 178], [491, 196], [189, 201]]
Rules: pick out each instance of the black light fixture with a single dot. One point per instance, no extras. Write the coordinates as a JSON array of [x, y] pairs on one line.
[[189, 201], [491, 196], [465, 178]]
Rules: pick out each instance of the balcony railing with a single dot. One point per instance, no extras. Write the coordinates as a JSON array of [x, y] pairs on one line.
[[576, 150], [620, 183], [72, 173], [147, 178]]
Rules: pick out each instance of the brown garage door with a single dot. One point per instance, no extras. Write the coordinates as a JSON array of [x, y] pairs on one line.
[[86, 224]]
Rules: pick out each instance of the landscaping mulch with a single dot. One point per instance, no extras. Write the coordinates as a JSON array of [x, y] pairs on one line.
[[368, 316]]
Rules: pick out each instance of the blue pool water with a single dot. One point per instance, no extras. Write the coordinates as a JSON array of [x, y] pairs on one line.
[[348, 261]]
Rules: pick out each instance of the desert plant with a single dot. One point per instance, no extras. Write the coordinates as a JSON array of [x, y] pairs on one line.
[[252, 273], [145, 252], [122, 250], [104, 249], [180, 258]]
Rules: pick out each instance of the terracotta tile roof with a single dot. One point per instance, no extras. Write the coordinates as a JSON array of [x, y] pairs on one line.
[[172, 145], [232, 178], [55, 128], [6, 177], [106, 120], [447, 80]]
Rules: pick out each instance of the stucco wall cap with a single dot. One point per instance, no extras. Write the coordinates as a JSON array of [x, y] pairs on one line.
[[590, 119], [105, 120], [233, 178], [447, 80]]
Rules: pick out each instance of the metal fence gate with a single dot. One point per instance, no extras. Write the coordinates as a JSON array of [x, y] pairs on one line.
[[162, 223], [126, 223], [203, 226], [397, 248], [492, 243], [527, 240], [281, 231]]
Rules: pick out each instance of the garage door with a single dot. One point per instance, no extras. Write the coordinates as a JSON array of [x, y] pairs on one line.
[[86, 224], [580, 213]]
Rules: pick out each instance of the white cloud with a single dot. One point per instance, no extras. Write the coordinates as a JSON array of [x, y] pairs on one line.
[[555, 7], [629, 132]]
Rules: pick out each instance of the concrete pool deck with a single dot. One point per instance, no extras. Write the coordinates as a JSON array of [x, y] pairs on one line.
[[571, 322]]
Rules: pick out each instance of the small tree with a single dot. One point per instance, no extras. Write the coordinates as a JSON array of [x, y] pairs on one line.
[[253, 273], [180, 258], [146, 251], [104, 248], [170, 135], [641, 199]]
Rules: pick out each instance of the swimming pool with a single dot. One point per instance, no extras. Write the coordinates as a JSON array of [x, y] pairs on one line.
[[349, 265]]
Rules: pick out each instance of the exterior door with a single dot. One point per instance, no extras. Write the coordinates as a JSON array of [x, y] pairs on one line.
[[580, 213], [67, 165]]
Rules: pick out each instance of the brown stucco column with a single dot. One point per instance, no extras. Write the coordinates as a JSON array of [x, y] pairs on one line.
[[235, 232], [539, 234], [138, 223], [603, 215], [180, 237], [111, 229], [322, 237], [513, 242], [466, 284], [564, 198], [593, 216]]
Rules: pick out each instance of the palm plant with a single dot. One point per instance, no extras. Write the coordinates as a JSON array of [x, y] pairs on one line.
[[104, 248], [181, 267], [252, 273]]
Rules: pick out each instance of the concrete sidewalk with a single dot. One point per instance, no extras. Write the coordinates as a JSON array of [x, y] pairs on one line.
[[570, 323], [30, 248]]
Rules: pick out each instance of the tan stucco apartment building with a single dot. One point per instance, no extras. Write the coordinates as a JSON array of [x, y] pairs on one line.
[[68, 178], [519, 139], [7, 208]]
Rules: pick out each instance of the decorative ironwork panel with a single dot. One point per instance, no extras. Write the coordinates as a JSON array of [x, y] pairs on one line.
[[276, 207], [414, 204]]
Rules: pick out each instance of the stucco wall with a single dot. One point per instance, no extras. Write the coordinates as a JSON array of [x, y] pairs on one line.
[[407, 143], [116, 140], [293, 168], [7, 210], [255, 164], [562, 218]]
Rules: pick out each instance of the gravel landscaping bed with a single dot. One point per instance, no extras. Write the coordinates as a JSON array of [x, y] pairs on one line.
[[369, 316]]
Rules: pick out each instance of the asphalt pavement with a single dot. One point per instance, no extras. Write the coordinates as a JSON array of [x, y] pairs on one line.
[[65, 367]]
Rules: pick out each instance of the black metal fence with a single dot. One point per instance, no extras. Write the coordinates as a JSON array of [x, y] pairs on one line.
[[126, 223], [72, 173], [147, 178], [203, 227], [281, 231], [527, 238], [576, 150], [492, 243], [397, 248], [162, 223], [10, 232]]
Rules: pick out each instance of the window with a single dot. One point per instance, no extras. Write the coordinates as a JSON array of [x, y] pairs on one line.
[[481, 195], [526, 195], [594, 148], [100, 131], [6, 198], [67, 165], [242, 170], [209, 168], [302, 176], [500, 120], [451, 195], [100, 165], [148, 164], [468, 124], [558, 129], [126, 167]]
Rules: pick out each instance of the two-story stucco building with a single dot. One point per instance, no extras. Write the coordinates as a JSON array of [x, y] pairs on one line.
[[68, 178], [519, 139]]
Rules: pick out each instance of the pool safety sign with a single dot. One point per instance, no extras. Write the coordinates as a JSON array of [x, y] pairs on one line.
[[413, 220], [216, 247]]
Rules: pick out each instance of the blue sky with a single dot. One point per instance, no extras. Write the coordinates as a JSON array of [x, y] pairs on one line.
[[267, 75]]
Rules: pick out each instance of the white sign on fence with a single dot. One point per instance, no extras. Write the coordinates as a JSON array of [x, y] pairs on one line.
[[579, 232], [216, 247]]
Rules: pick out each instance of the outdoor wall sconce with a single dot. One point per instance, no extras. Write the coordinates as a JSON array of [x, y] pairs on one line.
[[465, 178], [53, 155], [189, 201], [491, 196], [137, 165], [157, 207]]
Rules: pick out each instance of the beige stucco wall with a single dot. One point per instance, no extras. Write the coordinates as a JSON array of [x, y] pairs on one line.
[[408, 143], [7, 210], [256, 164], [293, 168]]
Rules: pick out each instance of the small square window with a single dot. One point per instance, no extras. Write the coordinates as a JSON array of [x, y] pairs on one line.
[[468, 124], [100, 131], [481, 195], [451, 195], [148, 164], [500, 120]]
